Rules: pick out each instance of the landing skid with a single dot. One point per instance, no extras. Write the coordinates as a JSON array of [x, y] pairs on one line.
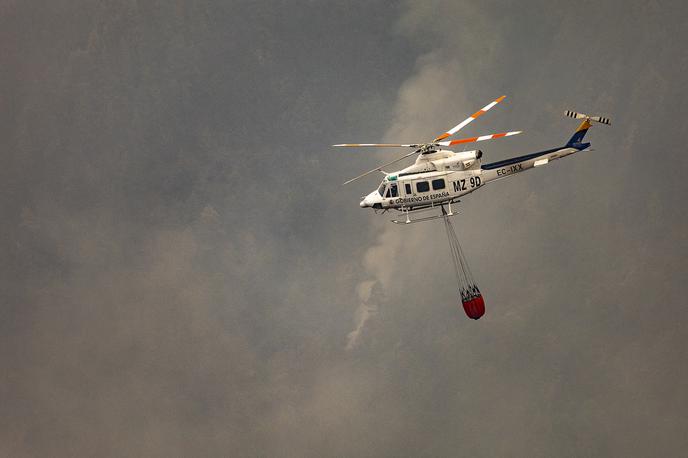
[[408, 220]]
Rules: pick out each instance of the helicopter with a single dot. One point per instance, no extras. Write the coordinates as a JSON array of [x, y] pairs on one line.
[[441, 177]]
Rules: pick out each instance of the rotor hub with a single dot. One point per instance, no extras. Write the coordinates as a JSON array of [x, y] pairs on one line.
[[428, 148]]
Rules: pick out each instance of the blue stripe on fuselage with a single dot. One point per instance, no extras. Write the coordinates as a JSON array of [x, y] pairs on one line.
[[515, 160]]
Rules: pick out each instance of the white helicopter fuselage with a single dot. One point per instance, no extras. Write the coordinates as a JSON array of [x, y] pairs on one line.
[[443, 176]]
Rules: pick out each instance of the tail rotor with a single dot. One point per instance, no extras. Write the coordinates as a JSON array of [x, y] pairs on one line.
[[575, 115], [576, 141]]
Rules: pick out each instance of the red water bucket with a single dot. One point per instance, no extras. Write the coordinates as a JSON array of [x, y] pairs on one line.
[[474, 308]]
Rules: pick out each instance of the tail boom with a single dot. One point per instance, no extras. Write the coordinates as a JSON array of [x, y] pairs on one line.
[[502, 169], [508, 167]]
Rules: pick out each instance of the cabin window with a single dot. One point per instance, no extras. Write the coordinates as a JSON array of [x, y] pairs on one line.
[[387, 192], [422, 186], [393, 188], [438, 184], [408, 188], [381, 189]]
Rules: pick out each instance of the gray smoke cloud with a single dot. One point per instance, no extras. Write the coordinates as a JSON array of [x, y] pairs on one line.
[[184, 275]]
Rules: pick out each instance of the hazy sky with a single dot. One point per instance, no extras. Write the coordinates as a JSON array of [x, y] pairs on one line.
[[184, 275]]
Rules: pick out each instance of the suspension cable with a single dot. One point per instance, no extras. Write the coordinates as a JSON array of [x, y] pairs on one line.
[[464, 276]]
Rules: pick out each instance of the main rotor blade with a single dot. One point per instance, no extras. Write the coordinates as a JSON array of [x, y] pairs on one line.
[[468, 120], [379, 169], [378, 145], [478, 139]]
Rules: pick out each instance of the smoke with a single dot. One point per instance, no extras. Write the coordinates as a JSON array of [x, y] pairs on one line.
[[364, 312]]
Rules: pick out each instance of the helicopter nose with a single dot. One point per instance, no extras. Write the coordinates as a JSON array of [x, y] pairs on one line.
[[363, 204]]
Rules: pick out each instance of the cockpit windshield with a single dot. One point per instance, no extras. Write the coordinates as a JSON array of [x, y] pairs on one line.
[[381, 189]]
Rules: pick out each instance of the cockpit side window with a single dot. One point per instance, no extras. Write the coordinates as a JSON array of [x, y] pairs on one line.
[[381, 189], [393, 188]]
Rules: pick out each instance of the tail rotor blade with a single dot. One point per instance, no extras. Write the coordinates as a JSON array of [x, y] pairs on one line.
[[575, 115], [602, 120]]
